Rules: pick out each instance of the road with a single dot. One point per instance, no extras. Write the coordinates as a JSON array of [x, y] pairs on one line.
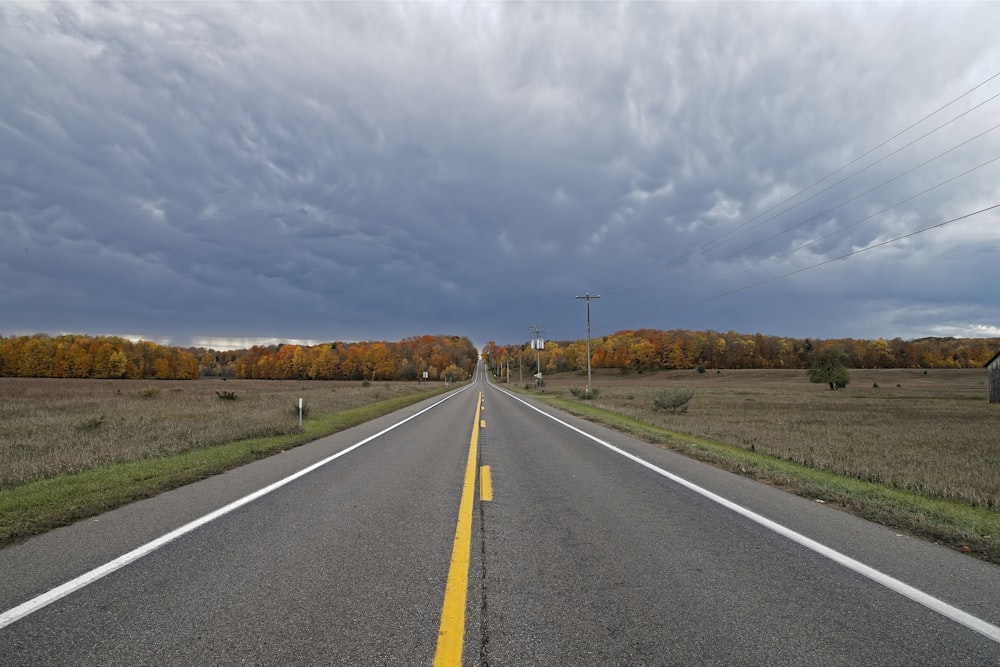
[[594, 549]]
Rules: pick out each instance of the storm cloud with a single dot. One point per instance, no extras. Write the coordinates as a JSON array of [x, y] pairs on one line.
[[201, 172]]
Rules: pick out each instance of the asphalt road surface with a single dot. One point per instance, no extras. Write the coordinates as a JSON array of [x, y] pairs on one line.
[[484, 531]]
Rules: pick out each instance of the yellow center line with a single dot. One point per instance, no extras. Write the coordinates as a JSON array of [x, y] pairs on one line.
[[452, 632], [485, 483]]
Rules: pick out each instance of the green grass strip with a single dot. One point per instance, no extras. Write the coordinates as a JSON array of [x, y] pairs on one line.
[[36, 507], [957, 525]]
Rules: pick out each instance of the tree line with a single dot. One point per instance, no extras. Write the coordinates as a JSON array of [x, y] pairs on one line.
[[440, 357], [652, 349], [81, 356]]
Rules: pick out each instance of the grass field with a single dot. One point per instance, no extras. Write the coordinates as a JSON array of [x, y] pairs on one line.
[[936, 434], [915, 450], [923, 449], [71, 449], [50, 427]]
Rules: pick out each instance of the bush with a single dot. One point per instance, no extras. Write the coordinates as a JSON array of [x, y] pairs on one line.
[[91, 424], [226, 395], [673, 400], [700, 368], [149, 392]]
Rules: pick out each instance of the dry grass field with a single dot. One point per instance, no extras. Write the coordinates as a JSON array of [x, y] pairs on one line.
[[50, 427], [931, 433], [934, 433]]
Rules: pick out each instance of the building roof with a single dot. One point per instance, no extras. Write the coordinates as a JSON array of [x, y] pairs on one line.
[[995, 357]]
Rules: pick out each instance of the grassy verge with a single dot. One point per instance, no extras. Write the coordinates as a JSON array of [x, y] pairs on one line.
[[36, 507], [954, 524]]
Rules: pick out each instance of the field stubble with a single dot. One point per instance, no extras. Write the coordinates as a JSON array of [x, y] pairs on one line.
[[52, 427], [934, 434]]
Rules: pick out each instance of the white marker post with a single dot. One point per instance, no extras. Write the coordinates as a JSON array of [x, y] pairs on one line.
[[300, 413]]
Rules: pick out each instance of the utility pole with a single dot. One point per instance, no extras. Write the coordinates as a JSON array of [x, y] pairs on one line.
[[588, 298], [538, 344]]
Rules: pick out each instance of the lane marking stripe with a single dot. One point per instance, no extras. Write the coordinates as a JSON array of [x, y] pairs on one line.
[[485, 483], [47, 598], [941, 607], [452, 630]]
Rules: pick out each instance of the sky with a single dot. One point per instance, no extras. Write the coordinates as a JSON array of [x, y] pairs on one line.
[[222, 174]]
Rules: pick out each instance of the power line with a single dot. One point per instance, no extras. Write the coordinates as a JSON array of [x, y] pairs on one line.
[[718, 240], [818, 264], [869, 190], [880, 160], [851, 225]]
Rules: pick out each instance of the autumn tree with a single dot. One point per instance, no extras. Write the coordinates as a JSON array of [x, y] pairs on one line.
[[325, 363]]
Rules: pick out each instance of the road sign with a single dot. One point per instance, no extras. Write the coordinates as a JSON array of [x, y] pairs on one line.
[[538, 375]]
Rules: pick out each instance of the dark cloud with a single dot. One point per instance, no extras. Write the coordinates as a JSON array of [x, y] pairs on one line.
[[355, 170]]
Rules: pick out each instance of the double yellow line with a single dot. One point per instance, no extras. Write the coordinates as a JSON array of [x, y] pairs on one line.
[[451, 634]]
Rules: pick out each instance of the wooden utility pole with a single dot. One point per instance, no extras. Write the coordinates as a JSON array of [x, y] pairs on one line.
[[588, 298]]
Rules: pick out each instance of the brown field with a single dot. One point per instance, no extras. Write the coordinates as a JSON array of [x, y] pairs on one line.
[[933, 433], [50, 427]]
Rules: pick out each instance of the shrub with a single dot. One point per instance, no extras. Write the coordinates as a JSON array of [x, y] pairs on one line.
[[149, 392], [700, 368], [226, 395], [673, 400], [91, 424]]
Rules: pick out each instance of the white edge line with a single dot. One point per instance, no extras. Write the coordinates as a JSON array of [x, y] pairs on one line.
[[984, 628], [47, 598]]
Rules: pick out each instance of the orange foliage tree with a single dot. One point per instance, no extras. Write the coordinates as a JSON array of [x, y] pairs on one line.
[[77, 356]]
